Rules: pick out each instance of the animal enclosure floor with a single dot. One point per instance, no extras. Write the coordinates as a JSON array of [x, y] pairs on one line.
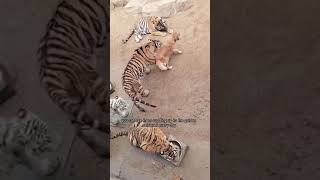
[[182, 92]]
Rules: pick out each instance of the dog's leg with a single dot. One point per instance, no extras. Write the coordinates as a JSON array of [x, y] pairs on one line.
[[139, 88], [161, 65], [177, 51]]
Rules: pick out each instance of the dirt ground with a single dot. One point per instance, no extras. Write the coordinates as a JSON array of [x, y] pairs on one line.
[[180, 93]]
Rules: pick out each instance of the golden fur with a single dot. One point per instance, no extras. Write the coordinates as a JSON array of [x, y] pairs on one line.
[[164, 54], [149, 139]]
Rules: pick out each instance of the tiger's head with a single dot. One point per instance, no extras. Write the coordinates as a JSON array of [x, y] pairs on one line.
[[120, 106], [171, 152], [160, 23], [155, 42]]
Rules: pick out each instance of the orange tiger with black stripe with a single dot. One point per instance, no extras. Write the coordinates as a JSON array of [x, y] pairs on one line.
[[135, 69], [149, 139]]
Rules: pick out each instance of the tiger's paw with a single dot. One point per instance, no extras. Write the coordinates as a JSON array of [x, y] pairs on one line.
[[147, 70], [169, 67], [145, 93], [170, 31], [179, 52], [136, 39]]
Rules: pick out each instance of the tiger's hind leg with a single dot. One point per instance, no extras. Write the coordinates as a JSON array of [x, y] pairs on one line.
[[72, 103], [139, 88], [138, 38], [84, 123]]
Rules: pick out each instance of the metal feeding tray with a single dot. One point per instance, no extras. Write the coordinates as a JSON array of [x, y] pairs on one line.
[[182, 149]]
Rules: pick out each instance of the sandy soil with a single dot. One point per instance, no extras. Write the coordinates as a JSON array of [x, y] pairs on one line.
[[180, 93]]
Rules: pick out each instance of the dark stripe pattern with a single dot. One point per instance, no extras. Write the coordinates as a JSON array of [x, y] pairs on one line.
[[76, 30], [150, 139], [142, 26], [142, 57]]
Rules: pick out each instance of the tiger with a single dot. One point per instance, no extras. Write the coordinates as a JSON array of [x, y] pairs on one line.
[[120, 106], [135, 69], [149, 139], [74, 35], [25, 139], [149, 25]]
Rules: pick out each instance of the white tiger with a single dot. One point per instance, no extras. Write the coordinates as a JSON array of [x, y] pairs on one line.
[[24, 139], [149, 25], [120, 106]]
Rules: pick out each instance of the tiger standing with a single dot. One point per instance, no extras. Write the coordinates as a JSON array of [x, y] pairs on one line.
[[149, 25], [67, 69], [135, 69], [149, 139]]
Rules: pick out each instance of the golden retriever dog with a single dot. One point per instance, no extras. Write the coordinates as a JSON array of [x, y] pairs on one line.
[[164, 54]]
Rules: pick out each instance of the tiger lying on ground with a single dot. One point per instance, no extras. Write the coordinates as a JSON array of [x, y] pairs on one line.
[[167, 49], [67, 59], [135, 69], [24, 139], [149, 139], [149, 25]]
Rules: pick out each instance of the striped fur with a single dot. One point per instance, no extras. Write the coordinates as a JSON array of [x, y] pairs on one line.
[[147, 25], [23, 140], [66, 51], [149, 139], [135, 69]]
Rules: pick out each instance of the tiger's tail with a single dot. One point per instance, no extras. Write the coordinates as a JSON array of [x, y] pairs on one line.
[[122, 133], [138, 100], [126, 40]]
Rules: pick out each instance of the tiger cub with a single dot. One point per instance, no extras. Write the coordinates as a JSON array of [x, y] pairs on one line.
[[149, 25], [135, 69], [166, 51], [149, 139], [24, 139]]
